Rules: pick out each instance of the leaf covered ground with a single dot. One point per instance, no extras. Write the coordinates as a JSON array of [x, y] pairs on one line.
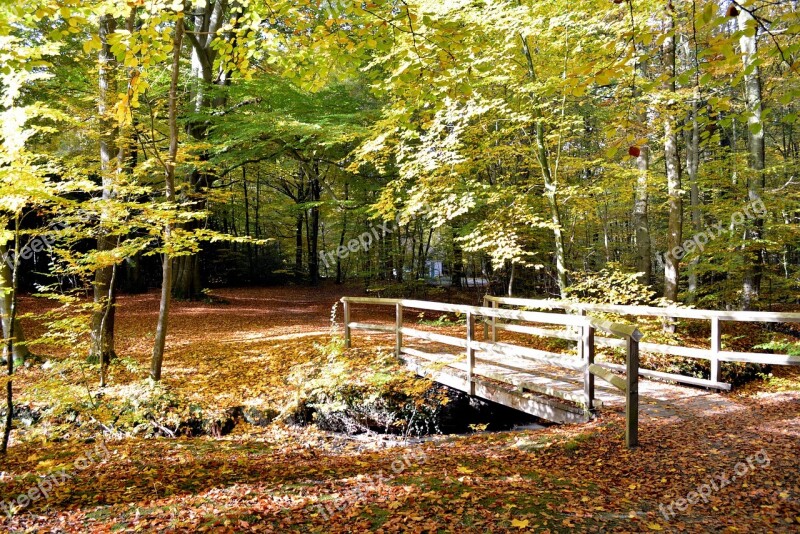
[[719, 463]]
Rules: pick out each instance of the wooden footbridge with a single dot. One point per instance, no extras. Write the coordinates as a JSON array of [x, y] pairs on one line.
[[555, 386]]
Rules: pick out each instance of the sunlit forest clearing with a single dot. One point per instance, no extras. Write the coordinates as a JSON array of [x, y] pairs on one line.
[[400, 266]]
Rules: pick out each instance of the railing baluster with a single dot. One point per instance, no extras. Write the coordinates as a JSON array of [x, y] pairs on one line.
[[470, 352], [495, 305], [346, 313], [587, 342], [632, 394], [398, 327], [716, 346]]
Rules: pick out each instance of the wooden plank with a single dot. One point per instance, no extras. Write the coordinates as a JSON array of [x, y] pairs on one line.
[[553, 358], [653, 311], [608, 376], [716, 346], [368, 326], [533, 317], [757, 357], [682, 379], [550, 410], [432, 336], [536, 331]]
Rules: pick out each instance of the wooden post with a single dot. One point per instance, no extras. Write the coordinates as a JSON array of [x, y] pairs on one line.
[[398, 327], [582, 343], [588, 354], [495, 305], [346, 305], [716, 346], [485, 319], [632, 394], [470, 352]]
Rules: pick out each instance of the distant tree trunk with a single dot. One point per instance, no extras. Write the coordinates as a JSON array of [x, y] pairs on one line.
[[207, 19], [21, 352], [754, 253], [641, 223], [9, 341], [673, 165], [458, 262], [315, 190], [102, 346], [550, 188], [339, 271], [692, 165], [298, 248], [169, 190], [251, 266]]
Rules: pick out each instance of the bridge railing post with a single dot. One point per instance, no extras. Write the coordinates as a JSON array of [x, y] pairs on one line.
[[587, 344], [398, 328], [632, 393], [716, 346], [470, 352], [485, 319], [346, 313], [495, 305]]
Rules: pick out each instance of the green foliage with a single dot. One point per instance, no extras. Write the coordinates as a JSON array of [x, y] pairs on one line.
[[360, 391], [610, 286]]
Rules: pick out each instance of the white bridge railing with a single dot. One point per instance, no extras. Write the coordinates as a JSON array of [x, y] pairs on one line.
[[714, 353], [584, 327]]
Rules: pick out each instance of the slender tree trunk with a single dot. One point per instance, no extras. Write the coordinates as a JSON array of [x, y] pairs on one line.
[[21, 352], [754, 252], [339, 272], [169, 189], [550, 189], [673, 165], [102, 347], [641, 223], [298, 248], [692, 165], [313, 241], [9, 343]]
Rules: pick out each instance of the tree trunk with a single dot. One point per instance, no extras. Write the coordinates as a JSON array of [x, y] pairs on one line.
[[641, 223], [673, 165], [102, 336], [339, 272], [207, 19], [21, 352], [754, 252], [315, 190], [550, 192], [169, 189], [692, 165], [9, 342]]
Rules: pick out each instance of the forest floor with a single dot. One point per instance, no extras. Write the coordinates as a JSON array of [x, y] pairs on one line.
[[709, 462]]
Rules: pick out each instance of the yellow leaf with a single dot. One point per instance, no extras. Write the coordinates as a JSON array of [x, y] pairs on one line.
[[520, 523], [465, 470], [654, 526]]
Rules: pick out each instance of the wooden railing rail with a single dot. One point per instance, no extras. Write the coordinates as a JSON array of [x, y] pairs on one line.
[[714, 353]]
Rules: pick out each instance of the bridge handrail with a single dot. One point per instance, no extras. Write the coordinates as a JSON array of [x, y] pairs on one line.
[[714, 353]]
